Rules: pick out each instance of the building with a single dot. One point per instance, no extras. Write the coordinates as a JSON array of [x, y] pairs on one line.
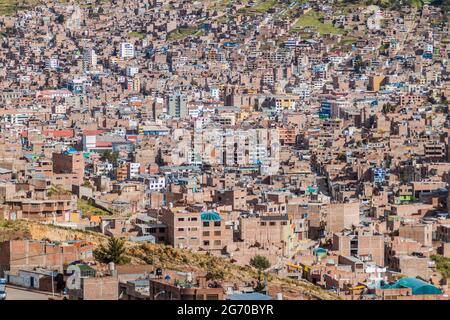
[[89, 59], [342, 216], [22, 254], [422, 233], [126, 50], [366, 246], [183, 226], [170, 285]]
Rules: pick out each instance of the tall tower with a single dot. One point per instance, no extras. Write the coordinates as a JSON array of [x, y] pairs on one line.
[[177, 105], [89, 59]]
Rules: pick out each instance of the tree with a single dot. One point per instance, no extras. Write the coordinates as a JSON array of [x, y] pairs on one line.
[[87, 184], [114, 251], [359, 65], [387, 108], [260, 262], [60, 19], [215, 275], [111, 157]]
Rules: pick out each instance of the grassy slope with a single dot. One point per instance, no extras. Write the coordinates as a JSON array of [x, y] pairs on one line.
[[86, 207], [311, 19], [162, 256], [136, 34], [183, 32], [10, 7], [442, 265], [260, 7]]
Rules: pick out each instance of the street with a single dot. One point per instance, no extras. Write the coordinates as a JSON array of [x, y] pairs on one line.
[[19, 294]]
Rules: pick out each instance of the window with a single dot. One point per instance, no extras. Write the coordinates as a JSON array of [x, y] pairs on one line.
[[180, 219], [263, 223], [217, 233], [206, 223], [216, 223], [217, 242], [283, 223], [193, 219], [206, 243], [180, 229], [272, 223], [206, 233]]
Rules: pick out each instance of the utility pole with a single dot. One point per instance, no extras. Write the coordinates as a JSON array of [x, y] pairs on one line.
[[53, 284]]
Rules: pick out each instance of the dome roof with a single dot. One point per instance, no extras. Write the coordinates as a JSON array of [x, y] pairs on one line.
[[418, 286], [210, 216]]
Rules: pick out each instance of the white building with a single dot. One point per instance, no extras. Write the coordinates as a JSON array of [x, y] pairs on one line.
[[131, 71], [156, 183], [133, 170], [126, 50], [103, 168], [59, 109], [89, 59], [215, 93], [52, 63]]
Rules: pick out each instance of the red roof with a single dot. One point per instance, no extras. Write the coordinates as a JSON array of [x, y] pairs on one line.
[[104, 144], [92, 132], [132, 138], [68, 133]]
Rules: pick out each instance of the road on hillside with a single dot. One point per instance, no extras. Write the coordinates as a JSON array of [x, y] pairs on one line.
[[19, 294]]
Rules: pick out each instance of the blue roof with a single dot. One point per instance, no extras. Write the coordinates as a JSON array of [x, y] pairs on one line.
[[210, 216], [319, 250], [249, 296], [418, 286]]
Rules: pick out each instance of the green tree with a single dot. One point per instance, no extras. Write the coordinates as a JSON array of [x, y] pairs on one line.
[[114, 251], [215, 275], [60, 19], [442, 265], [387, 108], [260, 262], [111, 157]]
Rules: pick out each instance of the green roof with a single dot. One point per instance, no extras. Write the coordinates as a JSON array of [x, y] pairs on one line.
[[210, 216], [418, 286]]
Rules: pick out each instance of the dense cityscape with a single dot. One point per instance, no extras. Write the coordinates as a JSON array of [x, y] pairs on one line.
[[224, 150]]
